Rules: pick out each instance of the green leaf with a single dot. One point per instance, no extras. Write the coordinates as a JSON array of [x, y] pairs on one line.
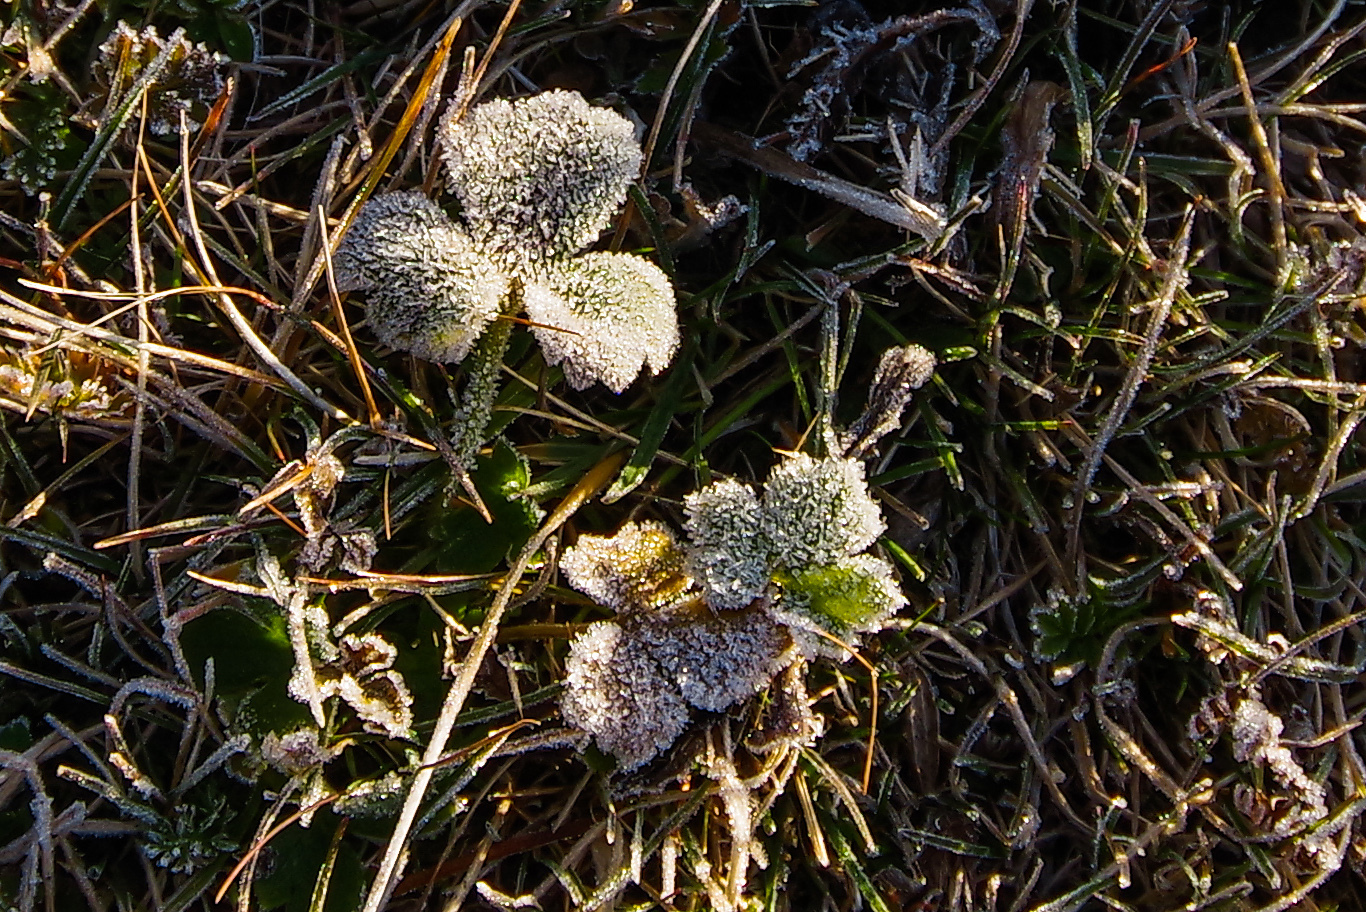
[[297, 857], [252, 664], [849, 594], [15, 735], [465, 542], [235, 37]]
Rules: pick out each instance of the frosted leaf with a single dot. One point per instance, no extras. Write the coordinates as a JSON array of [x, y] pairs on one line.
[[730, 552], [190, 81], [641, 567], [616, 692], [818, 511], [856, 595], [540, 177], [604, 315], [295, 753], [1256, 733], [373, 798], [431, 291], [365, 654], [382, 701], [361, 676], [717, 661], [900, 372]]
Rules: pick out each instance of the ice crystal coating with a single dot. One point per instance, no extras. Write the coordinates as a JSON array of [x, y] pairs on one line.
[[362, 676], [855, 595], [639, 568], [296, 752], [604, 315], [900, 372], [615, 691], [730, 553], [717, 661], [189, 81], [539, 177], [431, 289], [818, 511]]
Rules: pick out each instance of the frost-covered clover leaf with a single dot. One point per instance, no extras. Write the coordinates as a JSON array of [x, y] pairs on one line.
[[432, 290], [630, 681], [604, 315], [805, 533], [853, 595], [616, 692], [817, 511], [730, 552], [537, 179], [640, 568]]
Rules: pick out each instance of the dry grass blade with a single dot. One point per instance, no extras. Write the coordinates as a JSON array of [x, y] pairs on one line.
[[385, 878]]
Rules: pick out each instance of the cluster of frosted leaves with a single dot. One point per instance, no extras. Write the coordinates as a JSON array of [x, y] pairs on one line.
[[630, 683], [781, 574], [431, 290], [806, 533], [730, 553], [538, 180], [640, 568], [540, 177], [603, 315], [189, 82]]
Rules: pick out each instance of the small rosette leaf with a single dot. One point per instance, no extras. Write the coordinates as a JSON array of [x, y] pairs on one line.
[[431, 290], [855, 595], [730, 554], [638, 569], [817, 511], [539, 177], [604, 315]]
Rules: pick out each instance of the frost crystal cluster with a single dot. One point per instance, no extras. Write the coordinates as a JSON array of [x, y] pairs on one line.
[[763, 580], [538, 179]]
